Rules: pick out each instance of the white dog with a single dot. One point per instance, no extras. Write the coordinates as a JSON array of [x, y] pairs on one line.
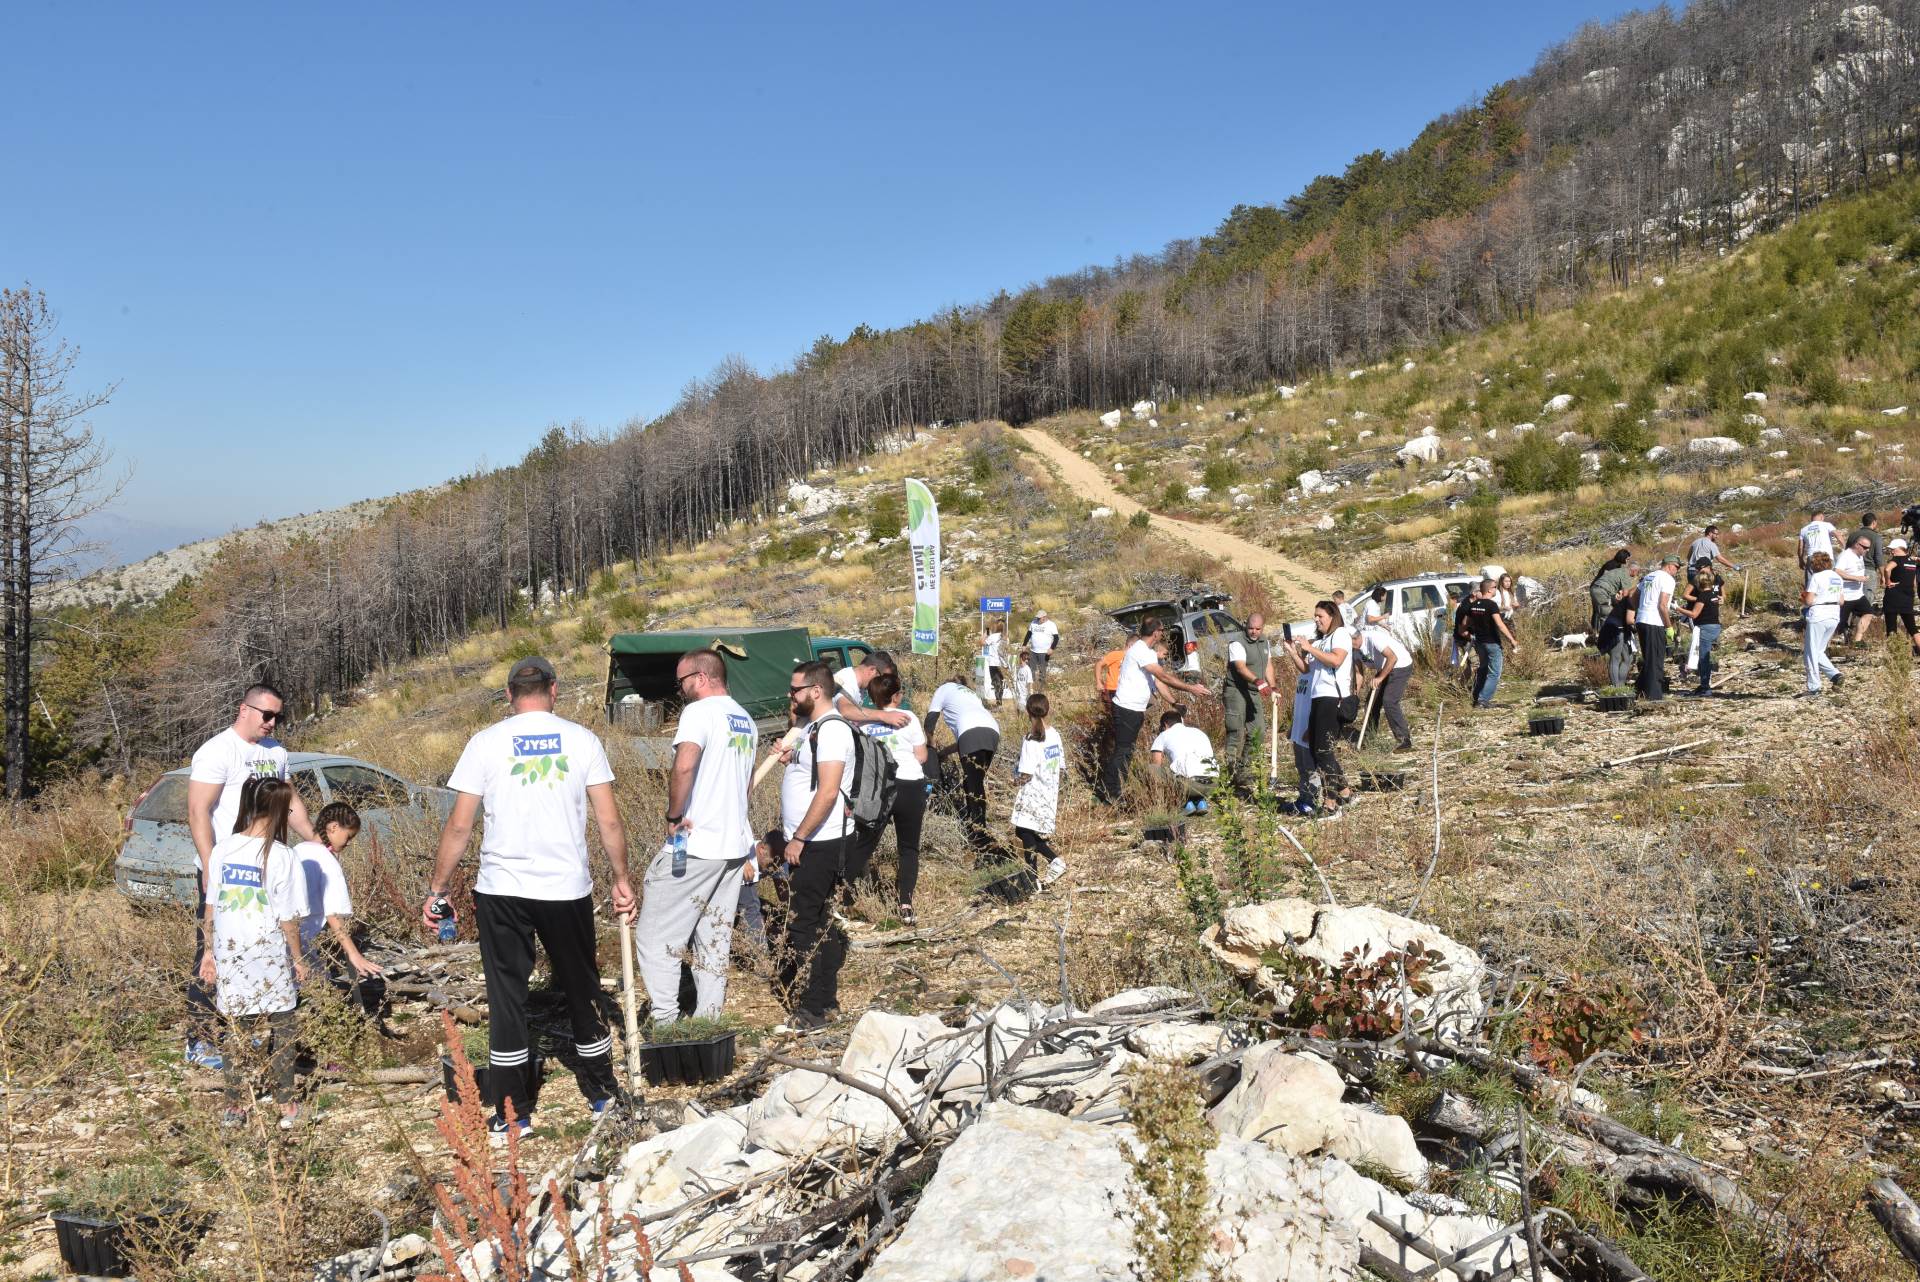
[[1573, 641]]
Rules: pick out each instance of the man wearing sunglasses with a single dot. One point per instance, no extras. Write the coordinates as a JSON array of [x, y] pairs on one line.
[[814, 820], [221, 767]]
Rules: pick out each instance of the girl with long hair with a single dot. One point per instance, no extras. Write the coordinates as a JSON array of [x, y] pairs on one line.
[[1036, 805], [256, 898], [1327, 662]]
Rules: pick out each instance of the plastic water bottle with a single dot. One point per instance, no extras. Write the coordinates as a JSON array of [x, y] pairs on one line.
[[678, 845], [443, 913]]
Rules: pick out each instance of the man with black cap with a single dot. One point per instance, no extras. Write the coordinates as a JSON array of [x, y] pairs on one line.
[[536, 775]]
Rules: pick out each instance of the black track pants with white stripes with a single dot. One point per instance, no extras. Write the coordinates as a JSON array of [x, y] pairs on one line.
[[508, 926]]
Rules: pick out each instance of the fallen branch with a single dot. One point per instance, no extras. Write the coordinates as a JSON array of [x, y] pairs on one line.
[[1433, 863], [1898, 1216], [1649, 756]]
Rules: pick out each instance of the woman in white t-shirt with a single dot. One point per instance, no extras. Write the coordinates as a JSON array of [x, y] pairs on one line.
[[330, 906], [908, 746], [976, 737], [1327, 661], [1821, 597], [1036, 805], [255, 902]]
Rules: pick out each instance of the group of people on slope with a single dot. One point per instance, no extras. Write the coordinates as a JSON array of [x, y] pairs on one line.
[[1837, 594], [1036, 652]]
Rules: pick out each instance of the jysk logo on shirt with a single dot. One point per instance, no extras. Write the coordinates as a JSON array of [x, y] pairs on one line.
[[264, 768], [739, 733], [240, 888], [546, 763]]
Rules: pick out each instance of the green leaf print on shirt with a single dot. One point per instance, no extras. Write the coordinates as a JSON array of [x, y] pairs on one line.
[[547, 770]]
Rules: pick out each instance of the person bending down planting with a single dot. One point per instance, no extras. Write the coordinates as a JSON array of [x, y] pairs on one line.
[[535, 775], [253, 958], [692, 887], [1141, 676], [330, 908]]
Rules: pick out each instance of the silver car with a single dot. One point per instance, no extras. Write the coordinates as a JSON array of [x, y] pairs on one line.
[[1419, 610], [158, 864]]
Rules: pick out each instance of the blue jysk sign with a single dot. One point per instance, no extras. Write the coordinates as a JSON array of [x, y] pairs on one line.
[[996, 605], [536, 745]]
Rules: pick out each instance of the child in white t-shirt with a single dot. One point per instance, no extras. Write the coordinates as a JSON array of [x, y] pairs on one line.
[[330, 903], [1037, 803], [1023, 679], [255, 902]]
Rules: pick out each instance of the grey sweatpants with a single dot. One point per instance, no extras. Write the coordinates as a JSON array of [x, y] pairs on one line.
[[700, 903]]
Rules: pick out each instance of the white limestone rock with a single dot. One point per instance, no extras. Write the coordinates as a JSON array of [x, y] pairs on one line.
[[1714, 445], [1287, 393], [1144, 409], [1521, 429], [1292, 1102], [1557, 403], [1100, 513], [1072, 1223], [1112, 419], [1758, 398], [1178, 1042], [1741, 492], [1655, 453], [1197, 492], [1421, 449], [1753, 420]]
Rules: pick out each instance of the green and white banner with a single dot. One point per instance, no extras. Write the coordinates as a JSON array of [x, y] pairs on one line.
[[923, 538]]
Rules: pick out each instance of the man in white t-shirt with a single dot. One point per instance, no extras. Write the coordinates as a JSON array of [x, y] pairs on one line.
[[1043, 634], [689, 896], [1856, 606], [1182, 757], [221, 767], [1391, 664], [1818, 535], [536, 775], [1141, 676], [850, 689], [821, 851], [1652, 616]]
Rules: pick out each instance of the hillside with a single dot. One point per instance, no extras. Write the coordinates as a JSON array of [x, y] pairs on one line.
[[1701, 911]]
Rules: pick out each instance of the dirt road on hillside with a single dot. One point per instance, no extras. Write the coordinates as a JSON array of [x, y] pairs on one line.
[[1292, 582]]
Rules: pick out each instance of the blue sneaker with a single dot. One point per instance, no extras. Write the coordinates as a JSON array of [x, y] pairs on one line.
[[1188, 808], [1200, 806], [205, 1055]]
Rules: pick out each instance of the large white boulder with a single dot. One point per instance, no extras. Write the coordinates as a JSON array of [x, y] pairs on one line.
[[1287, 393], [1197, 492], [1714, 445], [1421, 449], [1363, 932], [1753, 420], [1758, 398], [1112, 418], [1895, 412], [1178, 1042], [882, 1042], [1655, 453], [1741, 492], [1292, 1102], [1070, 1222], [1144, 409], [1557, 403], [1521, 429]]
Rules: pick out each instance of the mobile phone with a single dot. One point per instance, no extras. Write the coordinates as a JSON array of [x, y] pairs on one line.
[[1286, 633]]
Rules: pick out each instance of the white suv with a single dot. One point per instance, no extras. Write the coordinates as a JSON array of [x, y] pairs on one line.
[[1418, 610]]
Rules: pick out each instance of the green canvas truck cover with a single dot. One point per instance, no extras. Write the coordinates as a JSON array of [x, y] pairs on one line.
[[642, 663]]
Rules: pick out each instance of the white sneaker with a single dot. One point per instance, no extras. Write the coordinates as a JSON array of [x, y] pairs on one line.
[[1056, 869]]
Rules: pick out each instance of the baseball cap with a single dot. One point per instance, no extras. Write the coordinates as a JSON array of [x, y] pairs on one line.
[[532, 665], [1896, 543], [1669, 560], [1039, 614]]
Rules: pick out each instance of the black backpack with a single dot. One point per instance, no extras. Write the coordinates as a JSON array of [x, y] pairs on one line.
[[869, 794]]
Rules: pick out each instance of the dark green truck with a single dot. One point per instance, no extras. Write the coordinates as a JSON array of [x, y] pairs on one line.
[[643, 700]]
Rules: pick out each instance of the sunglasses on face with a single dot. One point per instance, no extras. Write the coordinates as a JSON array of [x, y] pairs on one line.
[[264, 714]]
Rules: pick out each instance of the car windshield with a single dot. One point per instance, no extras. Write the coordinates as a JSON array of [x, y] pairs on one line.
[[166, 801]]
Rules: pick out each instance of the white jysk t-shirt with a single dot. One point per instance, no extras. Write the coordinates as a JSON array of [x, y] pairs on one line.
[[1044, 632], [531, 773], [251, 897], [1330, 682], [325, 885], [991, 648], [229, 760], [1022, 684], [900, 741], [1817, 536], [1853, 563], [1037, 803], [961, 710], [1189, 752], [1654, 584], [1826, 587], [717, 806], [835, 741], [1135, 688], [1376, 643], [848, 682]]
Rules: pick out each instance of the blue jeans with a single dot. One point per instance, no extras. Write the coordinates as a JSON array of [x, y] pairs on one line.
[[1487, 679], [1708, 634]]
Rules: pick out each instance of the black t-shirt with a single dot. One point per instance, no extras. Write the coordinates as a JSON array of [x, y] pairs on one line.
[[1905, 573], [1481, 617], [1709, 600]]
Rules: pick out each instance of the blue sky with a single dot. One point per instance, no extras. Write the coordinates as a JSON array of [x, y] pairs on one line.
[[332, 251]]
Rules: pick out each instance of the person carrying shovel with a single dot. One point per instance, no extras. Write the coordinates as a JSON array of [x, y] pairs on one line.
[[536, 774]]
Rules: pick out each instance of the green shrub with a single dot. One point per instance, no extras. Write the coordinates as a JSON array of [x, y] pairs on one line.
[[1625, 434], [606, 583], [1476, 531], [1309, 456], [886, 513], [593, 630], [628, 609], [979, 465], [1174, 495], [958, 501], [1140, 520], [1220, 473], [797, 547], [1537, 465]]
